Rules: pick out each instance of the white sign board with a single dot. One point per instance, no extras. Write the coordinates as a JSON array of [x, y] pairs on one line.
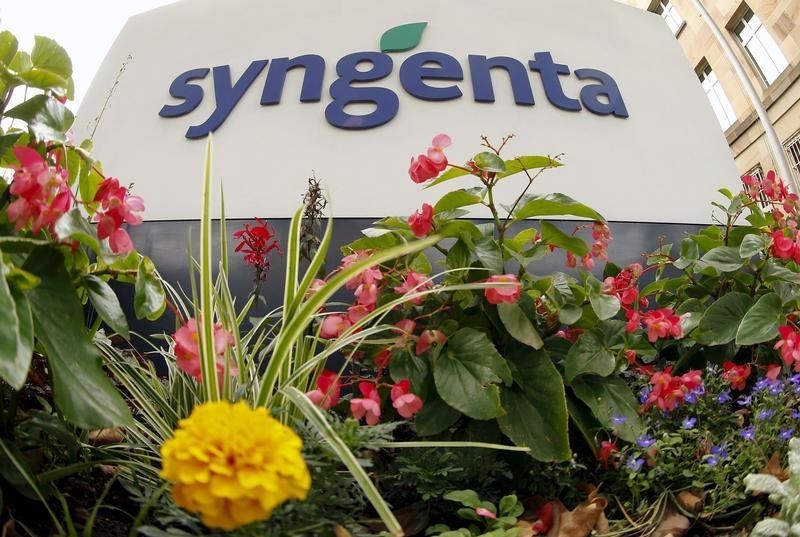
[[603, 83]]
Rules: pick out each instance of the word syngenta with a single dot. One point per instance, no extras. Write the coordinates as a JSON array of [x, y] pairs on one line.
[[355, 71]]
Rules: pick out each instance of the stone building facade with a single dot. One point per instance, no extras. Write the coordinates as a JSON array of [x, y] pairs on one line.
[[765, 35]]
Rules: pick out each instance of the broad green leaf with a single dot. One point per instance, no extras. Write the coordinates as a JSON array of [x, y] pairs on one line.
[[7, 141], [107, 305], [554, 205], [660, 255], [464, 497], [458, 256], [589, 355], [21, 62], [536, 408], [489, 162], [420, 263], [721, 320], [569, 314], [467, 373], [489, 254], [459, 228], [689, 254], [149, 299], [13, 365], [435, 417], [774, 271], [89, 181], [50, 65], [14, 244], [529, 162], [664, 284], [25, 340], [47, 119], [691, 311], [607, 396], [751, 245], [723, 258], [73, 225], [760, 323], [8, 47], [522, 239], [552, 235], [708, 238], [605, 306], [455, 199], [452, 173], [518, 325], [82, 390], [403, 37]]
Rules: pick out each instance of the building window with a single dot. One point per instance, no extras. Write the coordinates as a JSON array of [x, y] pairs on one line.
[[792, 147], [670, 15], [761, 47], [716, 95]]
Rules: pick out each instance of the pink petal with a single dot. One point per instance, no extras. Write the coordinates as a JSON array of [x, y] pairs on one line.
[[441, 140]]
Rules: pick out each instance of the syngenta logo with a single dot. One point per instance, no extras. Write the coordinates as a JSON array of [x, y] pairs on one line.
[[600, 96]]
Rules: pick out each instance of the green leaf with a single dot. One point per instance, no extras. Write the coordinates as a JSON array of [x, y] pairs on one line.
[[468, 498], [7, 141], [605, 306], [82, 390], [760, 323], [489, 162], [489, 254], [569, 314], [13, 363], [107, 305], [589, 355], [776, 272], [689, 254], [8, 47], [518, 325], [751, 245], [452, 173], [723, 258], [455, 199], [47, 119], [73, 226], [420, 263], [16, 374], [89, 181], [554, 205], [435, 417], [607, 396], [402, 38], [721, 320], [50, 65], [552, 235], [467, 372], [530, 162], [21, 62], [536, 407], [149, 299]]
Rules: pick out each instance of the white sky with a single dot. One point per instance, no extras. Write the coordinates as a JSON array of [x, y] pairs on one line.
[[85, 28]]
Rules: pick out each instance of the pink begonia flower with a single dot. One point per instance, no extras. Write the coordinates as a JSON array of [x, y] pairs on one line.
[[117, 206], [357, 312], [316, 285], [571, 261], [782, 246], [773, 371], [333, 326], [328, 392], [504, 293], [634, 321], [425, 167], [414, 282], [482, 511], [367, 294], [43, 193], [421, 222], [369, 405], [662, 324], [187, 349], [384, 358], [789, 344], [587, 262], [407, 404], [405, 328], [427, 339]]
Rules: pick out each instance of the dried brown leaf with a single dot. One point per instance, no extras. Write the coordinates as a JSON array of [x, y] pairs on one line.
[[104, 437], [672, 524], [690, 502], [773, 467]]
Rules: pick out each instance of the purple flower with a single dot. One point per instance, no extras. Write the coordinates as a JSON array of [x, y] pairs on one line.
[[720, 451], [645, 441], [618, 419], [761, 385], [644, 393], [689, 422], [794, 379], [744, 401], [724, 397], [775, 387], [748, 433], [693, 396], [796, 414], [712, 461], [634, 463], [765, 414], [786, 434]]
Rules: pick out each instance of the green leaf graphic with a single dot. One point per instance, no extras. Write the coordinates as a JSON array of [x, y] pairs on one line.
[[402, 38]]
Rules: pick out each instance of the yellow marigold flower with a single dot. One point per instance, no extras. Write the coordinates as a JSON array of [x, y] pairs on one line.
[[233, 464]]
